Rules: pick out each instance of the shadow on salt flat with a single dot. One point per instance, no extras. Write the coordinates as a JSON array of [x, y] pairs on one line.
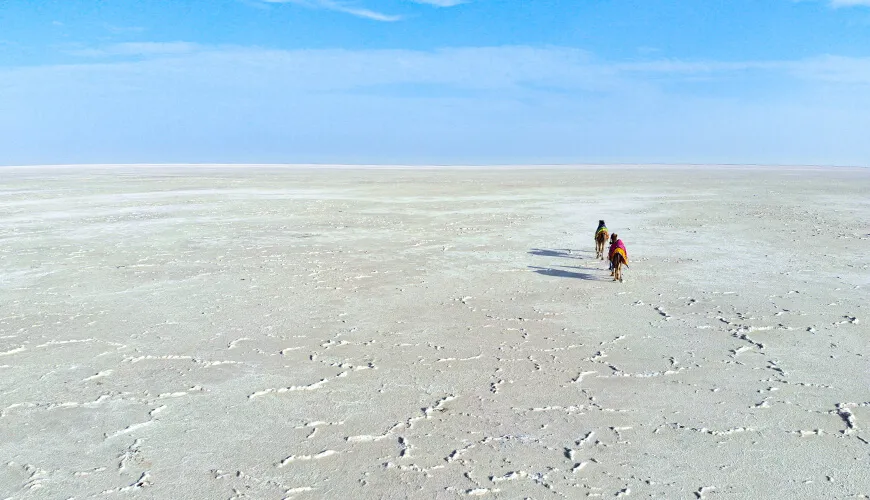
[[547, 271], [562, 252]]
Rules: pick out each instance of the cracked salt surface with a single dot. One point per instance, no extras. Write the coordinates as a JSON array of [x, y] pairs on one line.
[[298, 333]]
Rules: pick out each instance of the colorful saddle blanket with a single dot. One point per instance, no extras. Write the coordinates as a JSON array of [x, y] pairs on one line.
[[619, 246], [620, 252]]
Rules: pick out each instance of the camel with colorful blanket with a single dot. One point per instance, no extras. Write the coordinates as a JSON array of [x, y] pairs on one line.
[[618, 255], [600, 239]]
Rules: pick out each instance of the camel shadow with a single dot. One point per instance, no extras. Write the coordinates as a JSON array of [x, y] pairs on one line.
[[562, 252], [559, 273]]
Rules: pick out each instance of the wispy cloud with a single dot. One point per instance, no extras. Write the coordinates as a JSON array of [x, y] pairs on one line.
[[678, 67], [505, 67], [832, 69], [355, 10], [189, 102], [138, 49], [342, 7], [441, 3], [837, 4], [849, 3], [119, 30]]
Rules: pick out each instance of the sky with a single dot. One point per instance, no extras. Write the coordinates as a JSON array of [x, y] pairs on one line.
[[434, 82]]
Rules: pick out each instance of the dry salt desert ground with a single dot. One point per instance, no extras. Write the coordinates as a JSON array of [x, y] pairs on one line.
[[218, 332]]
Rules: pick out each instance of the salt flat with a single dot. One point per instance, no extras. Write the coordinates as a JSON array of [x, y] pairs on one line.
[[218, 332]]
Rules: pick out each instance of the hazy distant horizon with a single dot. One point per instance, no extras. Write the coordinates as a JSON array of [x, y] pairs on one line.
[[434, 166]]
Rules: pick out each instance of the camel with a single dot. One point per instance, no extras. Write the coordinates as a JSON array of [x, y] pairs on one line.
[[618, 257], [600, 239]]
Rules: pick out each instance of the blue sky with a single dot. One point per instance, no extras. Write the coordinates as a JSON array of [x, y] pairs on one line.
[[435, 81]]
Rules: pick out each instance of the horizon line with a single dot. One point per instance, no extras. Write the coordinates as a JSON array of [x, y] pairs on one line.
[[429, 166]]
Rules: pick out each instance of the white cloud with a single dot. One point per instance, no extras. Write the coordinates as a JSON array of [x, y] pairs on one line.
[[119, 30], [441, 3], [187, 102], [836, 4], [138, 49], [831, 69], [349, 8], [849, 3], [678, 67], [505, 67], [342, 7]]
